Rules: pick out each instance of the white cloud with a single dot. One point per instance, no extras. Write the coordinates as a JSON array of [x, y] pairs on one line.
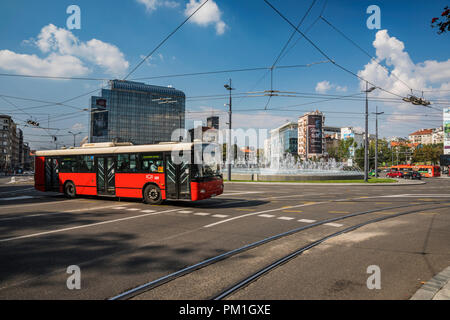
[[152, 5], [207, 15], [78, 126], [66, 55], [53, 65], [341, 89], [427, 75], [325, 86]]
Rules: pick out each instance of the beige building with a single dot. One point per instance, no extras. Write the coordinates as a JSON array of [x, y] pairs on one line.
[[438, 136], [423, 136]]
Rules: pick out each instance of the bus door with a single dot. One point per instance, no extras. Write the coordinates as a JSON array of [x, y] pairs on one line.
[[177, 179], [106, 175], [51, 174]]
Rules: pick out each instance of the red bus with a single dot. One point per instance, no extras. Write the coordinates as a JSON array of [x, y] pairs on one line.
[[428, 171], [153, 173]]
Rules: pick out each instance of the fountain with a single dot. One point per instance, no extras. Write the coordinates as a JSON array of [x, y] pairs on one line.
[[289, 168]]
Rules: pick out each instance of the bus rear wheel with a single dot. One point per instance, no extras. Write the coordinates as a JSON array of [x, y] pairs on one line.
[[70, 190], [152, 194]]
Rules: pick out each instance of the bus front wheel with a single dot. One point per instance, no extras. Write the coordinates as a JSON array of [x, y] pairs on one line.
[[70, 190], [152, 194]]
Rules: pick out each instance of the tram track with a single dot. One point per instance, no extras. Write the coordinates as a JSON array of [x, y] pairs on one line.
[[129, 294]]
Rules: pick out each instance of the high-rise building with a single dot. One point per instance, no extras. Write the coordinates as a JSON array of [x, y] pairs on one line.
[[136, 112], [213, 122], [283, 140], [12, 155], [311, 140]]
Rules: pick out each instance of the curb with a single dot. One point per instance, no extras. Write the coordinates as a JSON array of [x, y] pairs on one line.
[[432, 288], [328, 184]]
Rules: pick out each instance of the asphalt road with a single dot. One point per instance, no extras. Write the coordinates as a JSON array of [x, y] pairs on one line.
[[119, 245]]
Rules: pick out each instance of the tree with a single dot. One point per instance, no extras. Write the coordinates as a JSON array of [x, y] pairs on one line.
[[428, 154], [443, 23]]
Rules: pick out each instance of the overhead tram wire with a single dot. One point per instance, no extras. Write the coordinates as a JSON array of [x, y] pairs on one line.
[[307, 30], [164, 40], [324, 54], [284, 48], [365, 52], [149, 55]]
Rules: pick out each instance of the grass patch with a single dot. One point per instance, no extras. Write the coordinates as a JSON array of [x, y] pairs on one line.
[[373, 180]]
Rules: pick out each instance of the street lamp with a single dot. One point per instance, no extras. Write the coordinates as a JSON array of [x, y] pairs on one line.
[[366, 140], [376, 142], [74, 135], [229, 88]]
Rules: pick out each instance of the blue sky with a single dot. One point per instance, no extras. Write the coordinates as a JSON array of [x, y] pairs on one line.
[[229, 34]]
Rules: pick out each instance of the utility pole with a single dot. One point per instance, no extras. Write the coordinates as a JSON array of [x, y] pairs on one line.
[[229, 88], [376, 142], [366, 140], [74, 135]]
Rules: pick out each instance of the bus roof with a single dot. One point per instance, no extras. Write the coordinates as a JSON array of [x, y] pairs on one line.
[[113, 148]]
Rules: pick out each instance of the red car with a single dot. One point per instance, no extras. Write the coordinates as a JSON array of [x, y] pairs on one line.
[[395, 174]]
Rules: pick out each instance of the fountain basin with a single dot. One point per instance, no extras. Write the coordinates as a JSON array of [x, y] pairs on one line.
[[249, 175]]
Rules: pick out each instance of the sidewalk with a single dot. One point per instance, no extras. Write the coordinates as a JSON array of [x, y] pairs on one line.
[[400, 182], [437, 288]]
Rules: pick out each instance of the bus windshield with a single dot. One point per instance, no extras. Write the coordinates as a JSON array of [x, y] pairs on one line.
[[209, 166]]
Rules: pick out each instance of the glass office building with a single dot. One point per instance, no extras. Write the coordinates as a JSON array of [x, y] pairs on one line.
[[136, 112]]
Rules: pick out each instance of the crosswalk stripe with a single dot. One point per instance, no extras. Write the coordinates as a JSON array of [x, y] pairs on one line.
[[337, 225], [307, 221], [266, 216], [220, 216]]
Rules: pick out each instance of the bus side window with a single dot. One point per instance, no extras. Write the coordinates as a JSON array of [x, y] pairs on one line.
[[133, 163], [68, 164], [123, 163], [86, 164], [152, 164]]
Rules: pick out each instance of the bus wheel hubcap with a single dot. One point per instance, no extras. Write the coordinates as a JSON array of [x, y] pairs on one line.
[[154, 194]]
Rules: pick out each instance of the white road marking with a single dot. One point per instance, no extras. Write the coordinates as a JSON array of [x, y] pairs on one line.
[[202, 214], [307, 221], [83, 226], [336, 225], [185, 211], [17, 198], [266, 216], [40, 203], [133, 209], [419, 196], [148, 211], [221, 216], [119, 208], [239, 193], [286, 218], [54, 213], [261, 212]]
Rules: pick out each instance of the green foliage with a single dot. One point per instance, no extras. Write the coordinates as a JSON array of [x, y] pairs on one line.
[[428, 154]]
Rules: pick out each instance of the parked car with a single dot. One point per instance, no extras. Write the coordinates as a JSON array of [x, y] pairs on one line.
[[394, 174], [413, 175]]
